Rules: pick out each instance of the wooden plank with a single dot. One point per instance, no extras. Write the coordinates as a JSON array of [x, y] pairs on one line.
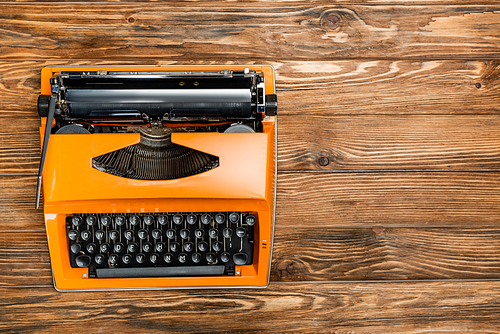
[[17, 204], [305, 308], [326, 254], [284, 2], [257, 31]]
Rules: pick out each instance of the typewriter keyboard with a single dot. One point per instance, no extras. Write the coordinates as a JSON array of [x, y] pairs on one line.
[[161, 244]]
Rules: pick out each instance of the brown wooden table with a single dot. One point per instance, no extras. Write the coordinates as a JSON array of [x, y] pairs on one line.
[[389, 162]]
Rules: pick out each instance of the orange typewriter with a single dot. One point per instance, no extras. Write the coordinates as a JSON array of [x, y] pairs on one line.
[[158, 177]]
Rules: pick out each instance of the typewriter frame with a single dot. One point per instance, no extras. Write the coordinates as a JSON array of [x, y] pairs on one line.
[[254, 172]]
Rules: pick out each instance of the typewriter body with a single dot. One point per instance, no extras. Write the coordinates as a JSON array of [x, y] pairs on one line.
[[158, 177]]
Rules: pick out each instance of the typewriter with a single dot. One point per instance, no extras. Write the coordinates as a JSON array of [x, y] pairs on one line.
[[158, 177]]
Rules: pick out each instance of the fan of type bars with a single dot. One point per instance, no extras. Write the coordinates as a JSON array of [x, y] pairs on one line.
[[155, 158]]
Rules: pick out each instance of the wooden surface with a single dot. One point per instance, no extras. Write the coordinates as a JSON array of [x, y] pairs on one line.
[[388, 155]]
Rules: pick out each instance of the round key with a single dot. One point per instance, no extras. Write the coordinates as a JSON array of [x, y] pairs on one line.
[[170, 234], [85, 235], [210, 257], [83, 261], [168, 258], [99, 259], [213, 233], [91, 220], [142, 234], [227, 233], [114, 235], [160, 247], [132, 247], [206, 219], [188, 246], [196, 257], [134, 220], [191, 219], [106, 220], [182, 258], [177, 219], [224, 257], [184, 234], [220, 218], [126, 258], [217, 246], [120, 220], [99, 235], [149, 220], [72, 235], [76, 248], [240, 232], [234, 217], [147, 247], [140, 258], [174, 247], [153, 258], [76, 221], [250, 220], [199, 233], [202, 246], [118, 247], [104, 247], [163, 220], [129, 235], [91, 248], [240, 259], [113, 259], [156, 233]]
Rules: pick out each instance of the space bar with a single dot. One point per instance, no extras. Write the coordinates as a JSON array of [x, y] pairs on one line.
[[160, 272]]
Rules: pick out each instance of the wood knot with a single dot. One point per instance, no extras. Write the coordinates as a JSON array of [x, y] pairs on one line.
[[323, 161], [478, 85], [286, 269], [131, 20], [330, 22]]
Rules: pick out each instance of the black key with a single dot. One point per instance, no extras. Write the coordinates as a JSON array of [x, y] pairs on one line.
[[213, 233], [114, 235], [83, 261], [113, 259], [91, 248], [156, 233], [240, 259], [104, 247], [250, 220], [120, 220], [168, 258], [142, 234], [184, 234], [188, 246], [76, 221], [202, 246], [149, 220], [132, 247], [177, 219], [196, 257], [160, 247], [99, 259], [170, 234], [234, 217], [99, 235], [174, 247], [147, 247], [129, 235], [85, 235], [76, 248], [199, 233], [210, 257], [191, 219], [217, 246], [106, 220], [224, 257], [153, 258], [140, 258], [163, 220], [227, 233], [126, 258], [72, 235], [241, 232], [134, 220], [118, 247], [91, 220], [182, 258], [220, 218], [206, 219]]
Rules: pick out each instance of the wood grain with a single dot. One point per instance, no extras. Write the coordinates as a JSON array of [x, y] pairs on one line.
[[305, 308], [259, 31]]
